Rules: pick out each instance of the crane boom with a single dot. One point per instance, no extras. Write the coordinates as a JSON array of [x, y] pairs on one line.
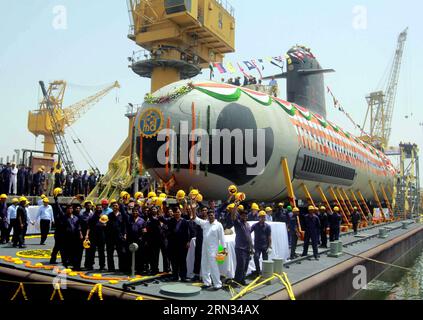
[[77, 110], [391, 91], [59, 138], [381, 104]]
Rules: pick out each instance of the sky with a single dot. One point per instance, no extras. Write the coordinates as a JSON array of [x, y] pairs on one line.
[[89, 48]]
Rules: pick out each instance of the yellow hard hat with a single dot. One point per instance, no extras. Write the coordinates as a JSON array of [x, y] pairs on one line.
[[295, 209], [180, 194], [22, 199], [240, 196], [311, 208], [42, 196], [194, 192], [3, 196], [232, 189], [158, 201], [151, 194], [104, 219], [89, 202], [124, 195], [262, 213], [336, 209], [281, 204], [231, 206], [322, 208], [57, 191], [138, 195], [113, 201], [86, 244], [241, 207], [15, 200], [163, 195], [268, 209], [254, 206], [355, 208], [46, 200]]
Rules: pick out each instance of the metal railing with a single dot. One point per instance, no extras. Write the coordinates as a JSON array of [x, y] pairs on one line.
[[227, 6]]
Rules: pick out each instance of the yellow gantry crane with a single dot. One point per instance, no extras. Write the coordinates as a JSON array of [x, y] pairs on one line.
[[181, 37], [381, 103], [52, 119]]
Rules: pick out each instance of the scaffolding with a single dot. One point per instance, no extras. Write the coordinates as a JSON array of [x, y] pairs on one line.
[[407, 202]]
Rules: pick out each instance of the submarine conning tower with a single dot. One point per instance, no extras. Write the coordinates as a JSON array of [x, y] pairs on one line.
[[305, 83]]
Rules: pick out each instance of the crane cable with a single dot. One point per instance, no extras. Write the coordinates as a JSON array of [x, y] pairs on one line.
[[83, 150]]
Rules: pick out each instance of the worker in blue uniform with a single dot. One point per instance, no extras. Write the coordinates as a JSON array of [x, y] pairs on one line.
[[253, 215], [335, 220], [116, 234], [11, 219], [262, 240], [179, 242], [293, 230], [72, 238], [281, 214], [312, 232], [153, 240], [84, 217], [21, 222], [136, 235], [59, 236], [3, 219], [96, 234], [324, 223], [46, 218], [243, 244], [355, 219]]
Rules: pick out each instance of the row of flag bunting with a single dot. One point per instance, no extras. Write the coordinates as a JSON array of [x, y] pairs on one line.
[[245, 67], [338, 106]]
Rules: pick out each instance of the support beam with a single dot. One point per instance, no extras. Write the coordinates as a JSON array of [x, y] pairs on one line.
[[324, 199], [335, 198], [365, 221], [363, 203], [372, 186], [291, 195], [391, 213], [344, 203], [288, 182], [308, 195], [345, 195]]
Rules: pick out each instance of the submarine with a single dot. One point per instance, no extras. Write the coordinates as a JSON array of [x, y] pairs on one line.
[[208, 135]]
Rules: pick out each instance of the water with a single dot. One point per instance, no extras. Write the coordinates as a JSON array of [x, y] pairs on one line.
[[398, 284]]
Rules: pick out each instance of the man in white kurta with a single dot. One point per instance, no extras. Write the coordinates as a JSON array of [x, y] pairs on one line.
[[13, 182], [213, 235]]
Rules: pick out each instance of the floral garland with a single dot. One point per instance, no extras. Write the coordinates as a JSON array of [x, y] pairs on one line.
[[150, 99]]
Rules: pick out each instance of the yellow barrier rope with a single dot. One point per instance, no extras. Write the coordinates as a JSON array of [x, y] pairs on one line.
[[21, 288]]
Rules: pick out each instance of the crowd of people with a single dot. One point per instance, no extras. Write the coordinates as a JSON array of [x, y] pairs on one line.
[[21, 180], [108, 227], [250, 80]]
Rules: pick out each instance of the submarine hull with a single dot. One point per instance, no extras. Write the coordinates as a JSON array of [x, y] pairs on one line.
[[259, 131]]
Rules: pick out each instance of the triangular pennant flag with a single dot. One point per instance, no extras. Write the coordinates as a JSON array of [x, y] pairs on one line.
[[230, 67], [250, 65]]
